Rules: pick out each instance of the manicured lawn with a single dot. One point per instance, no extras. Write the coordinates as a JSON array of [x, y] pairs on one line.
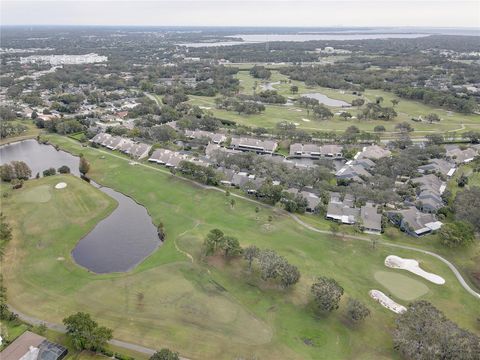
[[204, 310], [401, 286], [273, 114]]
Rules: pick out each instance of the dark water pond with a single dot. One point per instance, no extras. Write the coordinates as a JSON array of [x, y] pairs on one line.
[[116, 244], [324, 99]]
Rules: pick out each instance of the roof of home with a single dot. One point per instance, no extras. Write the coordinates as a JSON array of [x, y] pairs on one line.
[[256, 144], [342, 210], [461, 156], [331, 150], [418, 221], [197, 134], [32, 347], [439, 165], [430, 182], [371, 219], [373, 152]]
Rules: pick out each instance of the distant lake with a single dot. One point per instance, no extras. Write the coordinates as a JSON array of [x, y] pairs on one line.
[[257, 38], [119, 242], [324, 99], [262, 38]]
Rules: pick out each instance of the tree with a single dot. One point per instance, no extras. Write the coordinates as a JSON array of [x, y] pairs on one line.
[[7, 173], [213, 241], [85, 332], [326, 293], [21, 169], [432, 117], [294, 89], [34, 115], [345, 115], [231, 246], [84, 165], [423, 333], [64, 169], [456, 234], [358, 102], [165, 354], [250, 254], [462, 180], [356, 310], [394, 102], [322, 112], [49, 172], [466, 205], [435, 139], [334, 228], [379, 100], [232, 203], [404, 127], [379, 128]]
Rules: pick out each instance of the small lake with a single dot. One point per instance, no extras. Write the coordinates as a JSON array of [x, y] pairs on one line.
[[116, 244], [324, 99]]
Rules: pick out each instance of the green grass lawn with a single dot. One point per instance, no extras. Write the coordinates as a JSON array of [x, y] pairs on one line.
[[273, 114], [203, 310], [401, 286]]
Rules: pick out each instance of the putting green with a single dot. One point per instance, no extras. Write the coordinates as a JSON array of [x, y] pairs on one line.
[[401, 286], [38, 194]]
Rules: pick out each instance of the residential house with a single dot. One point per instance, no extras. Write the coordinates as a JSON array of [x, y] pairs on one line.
[[251, 144], [374, 152], [342, 210], [30, 346], [312, 199], [415, 222], [355, 170], [371, 219], [429, 193], [440, 166], [460, 156], [216, 138], [315, 151]]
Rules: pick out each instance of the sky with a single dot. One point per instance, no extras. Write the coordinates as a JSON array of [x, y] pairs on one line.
[[313, 13]]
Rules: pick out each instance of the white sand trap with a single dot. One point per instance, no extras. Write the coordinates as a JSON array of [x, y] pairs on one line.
[[306, 120], [205, 107], [296, 124], [386, 302], [61, 258], [61, 185], [396, 262]]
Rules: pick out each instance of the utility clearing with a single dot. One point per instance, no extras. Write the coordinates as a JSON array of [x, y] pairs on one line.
[[396, 262]]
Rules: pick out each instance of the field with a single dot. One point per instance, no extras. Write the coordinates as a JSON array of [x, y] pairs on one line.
[[406, 109], [202, 309]]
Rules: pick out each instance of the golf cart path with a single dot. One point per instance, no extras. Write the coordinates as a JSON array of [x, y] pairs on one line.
[[307, 226], [61, 328]]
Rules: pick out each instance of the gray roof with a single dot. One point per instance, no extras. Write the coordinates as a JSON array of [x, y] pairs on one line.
[[418, 221], [314, 150], [441, 166], [254, 144], [374, 152], [198, 134], [342, 210], [371, 219]]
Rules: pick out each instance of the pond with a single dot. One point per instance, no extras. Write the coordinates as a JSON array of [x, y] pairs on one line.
[[119, 242], [324, 99]]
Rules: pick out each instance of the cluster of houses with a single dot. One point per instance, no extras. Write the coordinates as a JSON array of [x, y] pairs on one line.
[[31, 346], [137, 150], [416, 216]]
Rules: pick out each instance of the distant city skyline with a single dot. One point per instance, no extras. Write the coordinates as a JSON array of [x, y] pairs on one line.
[[352, 13]]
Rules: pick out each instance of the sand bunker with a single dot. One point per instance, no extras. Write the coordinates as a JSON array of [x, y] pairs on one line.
[[61, 185], [307, 120], [205, 107], [396, 262], [386, 302]]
